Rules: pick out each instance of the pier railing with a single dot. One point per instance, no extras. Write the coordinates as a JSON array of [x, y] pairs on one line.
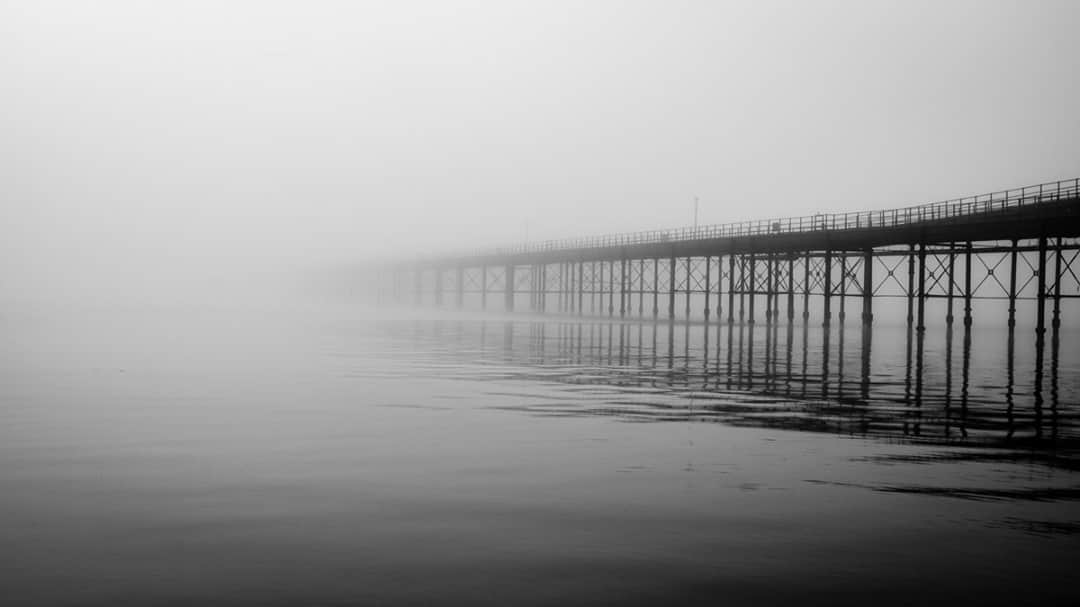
[[961, 207]]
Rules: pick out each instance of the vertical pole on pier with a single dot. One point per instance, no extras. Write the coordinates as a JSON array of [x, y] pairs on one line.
[[827, 288], [689, 281], [731, 289], [593, 286], [460, 286], [656, 287], [967, 285], [671, 290], [708, 280], [581, 288], [843, 289], [1040, 305], [868, 288], [790, 289], [483, 287], [1012, 284], [920, 326], [1056, 321], [611, 288], [508, 295], [952, 284], [622, 288], [911, 286]]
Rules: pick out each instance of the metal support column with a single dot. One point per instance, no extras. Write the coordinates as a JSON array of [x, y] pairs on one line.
[[868, 287]]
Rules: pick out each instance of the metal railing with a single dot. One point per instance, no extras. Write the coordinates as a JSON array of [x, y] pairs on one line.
[[961, 207]]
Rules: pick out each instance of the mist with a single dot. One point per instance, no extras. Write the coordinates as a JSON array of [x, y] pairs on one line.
[[158, 151]]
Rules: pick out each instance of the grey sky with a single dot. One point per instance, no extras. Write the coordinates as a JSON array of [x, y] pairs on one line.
[[177, 139]]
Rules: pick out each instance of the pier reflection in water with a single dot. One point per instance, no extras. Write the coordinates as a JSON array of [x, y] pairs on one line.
[[981, 388]]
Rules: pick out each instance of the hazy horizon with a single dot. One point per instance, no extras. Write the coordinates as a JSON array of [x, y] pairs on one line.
[[163, 149]]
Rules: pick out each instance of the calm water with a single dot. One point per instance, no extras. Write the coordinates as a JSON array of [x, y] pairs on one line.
[[315, 457]]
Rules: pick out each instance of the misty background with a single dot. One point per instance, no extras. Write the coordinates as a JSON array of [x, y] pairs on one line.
[[162, 151]]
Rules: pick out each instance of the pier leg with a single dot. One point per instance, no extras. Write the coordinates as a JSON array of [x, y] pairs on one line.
[[1055, 322], [827, 288], [689, 281], [790, 291], [719, 287], [1012, 285], [806, 289], [752, 275], [641, 287], [868, 288], [581, 288], [460, 287], [622, 288], [911, 286], [769, 279], [967, 285], [611, 288], [920, 326], [731, 289], [656, 287], [952, 285], [843, 291], [509, 288], [671, 291], [600, 287], [1040, 305], [438, 286], [483, 287], [708, 265]]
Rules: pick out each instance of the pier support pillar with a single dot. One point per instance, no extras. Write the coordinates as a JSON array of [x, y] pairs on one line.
[[868, 287], [827, 288], [508, 288], [671, 291], [921, 324], [1012, 284]]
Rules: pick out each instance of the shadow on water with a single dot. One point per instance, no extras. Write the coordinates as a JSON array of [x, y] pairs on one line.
[[777, 376]]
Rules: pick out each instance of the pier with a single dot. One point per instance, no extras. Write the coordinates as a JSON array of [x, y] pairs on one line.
[[1014, 245]]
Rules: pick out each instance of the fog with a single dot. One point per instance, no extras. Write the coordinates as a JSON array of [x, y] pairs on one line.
[[154, 150]]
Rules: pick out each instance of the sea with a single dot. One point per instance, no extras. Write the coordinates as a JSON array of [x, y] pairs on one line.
[[327, 453]]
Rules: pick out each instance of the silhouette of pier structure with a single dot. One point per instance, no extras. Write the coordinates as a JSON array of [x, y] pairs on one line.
[[1015, 245]]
